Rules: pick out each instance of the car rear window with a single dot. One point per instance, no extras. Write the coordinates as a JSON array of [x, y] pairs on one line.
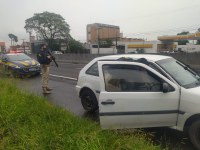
[[93, 70]]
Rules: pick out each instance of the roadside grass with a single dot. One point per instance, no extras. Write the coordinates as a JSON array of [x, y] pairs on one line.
[[30, 122]]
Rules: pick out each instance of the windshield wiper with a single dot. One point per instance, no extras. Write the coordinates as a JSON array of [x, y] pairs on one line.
[[188, 68]]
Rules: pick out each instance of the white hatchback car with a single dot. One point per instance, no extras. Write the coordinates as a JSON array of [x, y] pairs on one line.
[[139, 90]]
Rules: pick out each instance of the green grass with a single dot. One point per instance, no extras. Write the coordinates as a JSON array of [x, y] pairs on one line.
[[30, 122]]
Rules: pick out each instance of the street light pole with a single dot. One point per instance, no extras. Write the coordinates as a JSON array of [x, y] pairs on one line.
[[23, 44], [98, 39], [30, 40], [116, 39]]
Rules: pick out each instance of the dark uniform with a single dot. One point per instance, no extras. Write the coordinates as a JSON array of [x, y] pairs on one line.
[[44, 58]]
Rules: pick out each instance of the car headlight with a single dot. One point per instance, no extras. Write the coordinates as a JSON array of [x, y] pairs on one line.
[[17, 67], [38, 65]]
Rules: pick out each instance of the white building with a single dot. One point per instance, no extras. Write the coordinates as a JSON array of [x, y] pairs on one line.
[[189, 48]]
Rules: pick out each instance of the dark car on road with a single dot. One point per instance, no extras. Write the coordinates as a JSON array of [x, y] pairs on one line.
[[19, 65]]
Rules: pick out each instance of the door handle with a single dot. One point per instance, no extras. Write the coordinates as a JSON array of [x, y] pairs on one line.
[[108, 102]]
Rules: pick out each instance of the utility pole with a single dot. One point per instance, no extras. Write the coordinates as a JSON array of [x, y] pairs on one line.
[[23, 44], [98, 40], [30, 33], [116, 40], [116, 36]]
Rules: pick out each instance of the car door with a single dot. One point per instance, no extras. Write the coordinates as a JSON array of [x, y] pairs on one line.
[[132, 96]]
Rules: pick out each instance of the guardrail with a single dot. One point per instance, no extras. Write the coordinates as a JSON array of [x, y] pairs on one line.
[[192, 59]]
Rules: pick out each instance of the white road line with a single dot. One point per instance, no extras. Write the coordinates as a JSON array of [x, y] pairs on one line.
[[75, 79]]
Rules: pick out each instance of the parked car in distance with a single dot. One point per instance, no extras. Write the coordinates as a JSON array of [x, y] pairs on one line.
[[142, 90], [28, 52], [57, 52], [19, 64]]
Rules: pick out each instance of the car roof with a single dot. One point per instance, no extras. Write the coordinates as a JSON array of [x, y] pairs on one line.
[[149, 57]]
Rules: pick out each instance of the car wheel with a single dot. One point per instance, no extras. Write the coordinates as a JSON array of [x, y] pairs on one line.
[[11, 74], [194, 134], [89, 101], [37, 74]]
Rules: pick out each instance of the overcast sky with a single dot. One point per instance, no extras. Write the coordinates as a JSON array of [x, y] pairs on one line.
[[136, 18]]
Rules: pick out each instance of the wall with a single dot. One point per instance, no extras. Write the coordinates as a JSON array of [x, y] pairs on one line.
[[103, 51], [189, 48], [188, 58]]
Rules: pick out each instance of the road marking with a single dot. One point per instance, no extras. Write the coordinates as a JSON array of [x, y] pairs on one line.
[[69, 78]]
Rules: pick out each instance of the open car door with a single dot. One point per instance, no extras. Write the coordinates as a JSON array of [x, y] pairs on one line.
[[134, 95]]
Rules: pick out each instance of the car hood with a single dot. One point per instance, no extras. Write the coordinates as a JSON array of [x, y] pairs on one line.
[[24, 63], [194, 91]]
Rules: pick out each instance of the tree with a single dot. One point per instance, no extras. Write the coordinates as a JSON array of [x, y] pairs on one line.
[[198, 42], [13, 38], [16, 39], [76, 46], [49, 26], [105, 44], [183, 42]]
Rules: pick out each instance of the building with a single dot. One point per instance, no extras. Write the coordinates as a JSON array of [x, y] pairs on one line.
[[102, 32], [193, 36], [107, 39], [24, 47], [2, 47], [143, 47], [169, 43], [99, 34]]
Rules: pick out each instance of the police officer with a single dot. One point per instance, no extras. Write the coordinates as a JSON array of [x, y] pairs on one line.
[[44, 58]]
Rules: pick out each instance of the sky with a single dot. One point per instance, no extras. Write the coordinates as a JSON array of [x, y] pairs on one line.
[[137, 18]]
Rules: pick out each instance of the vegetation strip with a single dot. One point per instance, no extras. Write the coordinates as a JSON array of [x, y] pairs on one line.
[[30, 122]]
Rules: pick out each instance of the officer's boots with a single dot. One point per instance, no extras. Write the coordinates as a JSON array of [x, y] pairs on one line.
[[45, 91], [49, 89]]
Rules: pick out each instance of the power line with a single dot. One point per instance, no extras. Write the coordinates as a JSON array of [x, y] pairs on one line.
[[190, 28]]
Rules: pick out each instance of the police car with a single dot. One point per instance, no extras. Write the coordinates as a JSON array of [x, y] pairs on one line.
[[19, 64]]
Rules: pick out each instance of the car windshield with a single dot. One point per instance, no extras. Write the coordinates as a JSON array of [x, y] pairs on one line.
[[180, 72], [18, 57]]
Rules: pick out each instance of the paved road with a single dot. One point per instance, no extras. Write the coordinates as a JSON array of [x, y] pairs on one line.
[[67, 69], [64, 95]]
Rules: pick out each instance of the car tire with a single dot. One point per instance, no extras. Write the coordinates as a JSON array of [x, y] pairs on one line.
[[89, 101], [37, 74], [11, 73], [194, 134]]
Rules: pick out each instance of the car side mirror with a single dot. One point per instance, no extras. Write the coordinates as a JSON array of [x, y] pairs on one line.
[[165, 88]]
